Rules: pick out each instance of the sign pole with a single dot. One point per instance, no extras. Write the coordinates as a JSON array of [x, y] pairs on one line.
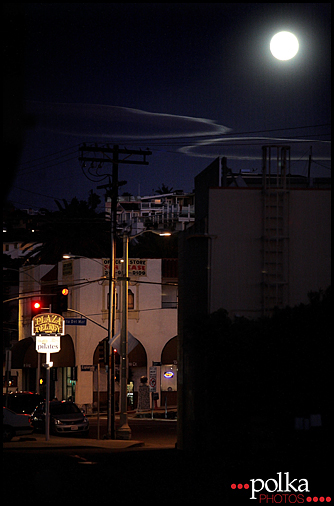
[[98, 401], [47, 329], [47, 400]]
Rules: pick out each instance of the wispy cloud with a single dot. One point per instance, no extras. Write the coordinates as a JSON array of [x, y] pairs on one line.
[[249, 148], [94, 122], [110, 122]]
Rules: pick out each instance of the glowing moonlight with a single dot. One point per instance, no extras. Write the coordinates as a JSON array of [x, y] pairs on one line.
[[284, 45]]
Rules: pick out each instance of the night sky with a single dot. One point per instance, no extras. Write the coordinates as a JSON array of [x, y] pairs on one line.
[[189, 81]]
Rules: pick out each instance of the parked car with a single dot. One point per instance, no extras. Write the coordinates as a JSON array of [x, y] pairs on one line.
[[22, 402], [14, 424], [65, 418]]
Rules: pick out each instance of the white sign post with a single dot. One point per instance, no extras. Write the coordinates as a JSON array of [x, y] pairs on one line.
[[48, 328], [152, 384], [153, 379]]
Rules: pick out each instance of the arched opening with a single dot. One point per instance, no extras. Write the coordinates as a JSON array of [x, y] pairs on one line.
[[137, 368], [169, 373]]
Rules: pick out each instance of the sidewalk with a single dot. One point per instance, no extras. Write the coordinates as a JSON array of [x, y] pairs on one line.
[[158, 412], [37, 441]]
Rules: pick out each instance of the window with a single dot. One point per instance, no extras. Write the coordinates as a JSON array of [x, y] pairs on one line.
[[169, 297], [131, 299]]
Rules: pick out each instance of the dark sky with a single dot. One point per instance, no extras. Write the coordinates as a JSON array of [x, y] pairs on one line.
[[189, 81]]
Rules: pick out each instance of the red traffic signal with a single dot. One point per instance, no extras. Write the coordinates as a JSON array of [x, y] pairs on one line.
[[36, 307]]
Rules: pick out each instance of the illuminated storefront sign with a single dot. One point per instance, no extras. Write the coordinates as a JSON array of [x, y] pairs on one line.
[[47, 344], [168, 374], [48, 324], [137, 267]]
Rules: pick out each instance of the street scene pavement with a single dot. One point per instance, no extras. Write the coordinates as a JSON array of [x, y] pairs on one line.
[[147, 468]]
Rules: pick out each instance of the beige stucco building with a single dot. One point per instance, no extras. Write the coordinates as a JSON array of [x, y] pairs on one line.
[[152, 325]]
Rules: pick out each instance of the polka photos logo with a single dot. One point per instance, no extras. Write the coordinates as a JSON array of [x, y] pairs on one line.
[[282, 489]]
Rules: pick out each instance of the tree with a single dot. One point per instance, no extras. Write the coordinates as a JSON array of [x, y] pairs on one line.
[[163, 189], [93, 200], [74, 228]]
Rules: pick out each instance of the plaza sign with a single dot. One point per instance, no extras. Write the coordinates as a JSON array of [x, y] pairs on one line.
[[48, 324]]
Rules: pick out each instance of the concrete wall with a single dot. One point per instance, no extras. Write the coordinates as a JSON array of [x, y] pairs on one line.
[[310, 243], [235, 225]]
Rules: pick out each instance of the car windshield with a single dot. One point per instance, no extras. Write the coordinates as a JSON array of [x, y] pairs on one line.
[[63, 408]]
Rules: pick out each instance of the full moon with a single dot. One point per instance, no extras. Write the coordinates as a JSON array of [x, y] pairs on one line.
[[284, 45]]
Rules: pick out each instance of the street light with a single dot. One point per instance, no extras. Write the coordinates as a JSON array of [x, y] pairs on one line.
[[124, 431], [69, 256]]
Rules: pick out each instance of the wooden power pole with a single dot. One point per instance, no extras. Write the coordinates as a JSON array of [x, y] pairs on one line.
[[99, 155]]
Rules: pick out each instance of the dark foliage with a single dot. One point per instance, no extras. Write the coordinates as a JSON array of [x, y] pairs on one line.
[[272, 365], [74, 228]]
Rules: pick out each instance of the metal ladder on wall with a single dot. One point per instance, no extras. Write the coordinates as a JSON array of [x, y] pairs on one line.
[[275, 266]]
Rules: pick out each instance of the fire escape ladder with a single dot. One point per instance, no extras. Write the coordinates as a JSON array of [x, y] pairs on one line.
[[275, 228]]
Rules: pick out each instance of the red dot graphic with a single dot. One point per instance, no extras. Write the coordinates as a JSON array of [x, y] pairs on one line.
[[328, 499], [246, 485], [240, 486], [308, 499], [315, 499], [233, 486]]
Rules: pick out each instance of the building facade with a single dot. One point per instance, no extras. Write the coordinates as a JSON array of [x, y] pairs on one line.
[[173, 211], [259, 242], [268, 240], [152, 326]]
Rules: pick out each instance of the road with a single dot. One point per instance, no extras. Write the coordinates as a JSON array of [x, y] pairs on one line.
[[154, 433], [156, 472]]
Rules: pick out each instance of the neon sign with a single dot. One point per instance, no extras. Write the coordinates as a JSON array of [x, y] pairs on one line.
[[168, 374]]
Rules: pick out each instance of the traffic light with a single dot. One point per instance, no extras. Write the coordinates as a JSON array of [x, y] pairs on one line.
[[103, 351], [36, 307], [62, 302]]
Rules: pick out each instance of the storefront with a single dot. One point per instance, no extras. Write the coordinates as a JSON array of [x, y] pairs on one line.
[[32, 374]]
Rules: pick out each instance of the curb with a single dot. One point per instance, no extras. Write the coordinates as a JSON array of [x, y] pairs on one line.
[[55, 442]]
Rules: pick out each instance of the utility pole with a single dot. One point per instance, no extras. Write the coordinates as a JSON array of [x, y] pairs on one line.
[[99, 155], [309, 167]]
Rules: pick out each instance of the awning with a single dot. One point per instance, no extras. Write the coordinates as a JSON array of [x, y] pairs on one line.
[[18, 352], [25, 355]]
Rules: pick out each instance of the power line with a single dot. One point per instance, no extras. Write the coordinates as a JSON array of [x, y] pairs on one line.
[[51, 154], [48, 166]]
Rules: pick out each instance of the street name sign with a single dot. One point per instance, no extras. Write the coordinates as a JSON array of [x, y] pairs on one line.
[[75, 321], [90, 368]]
